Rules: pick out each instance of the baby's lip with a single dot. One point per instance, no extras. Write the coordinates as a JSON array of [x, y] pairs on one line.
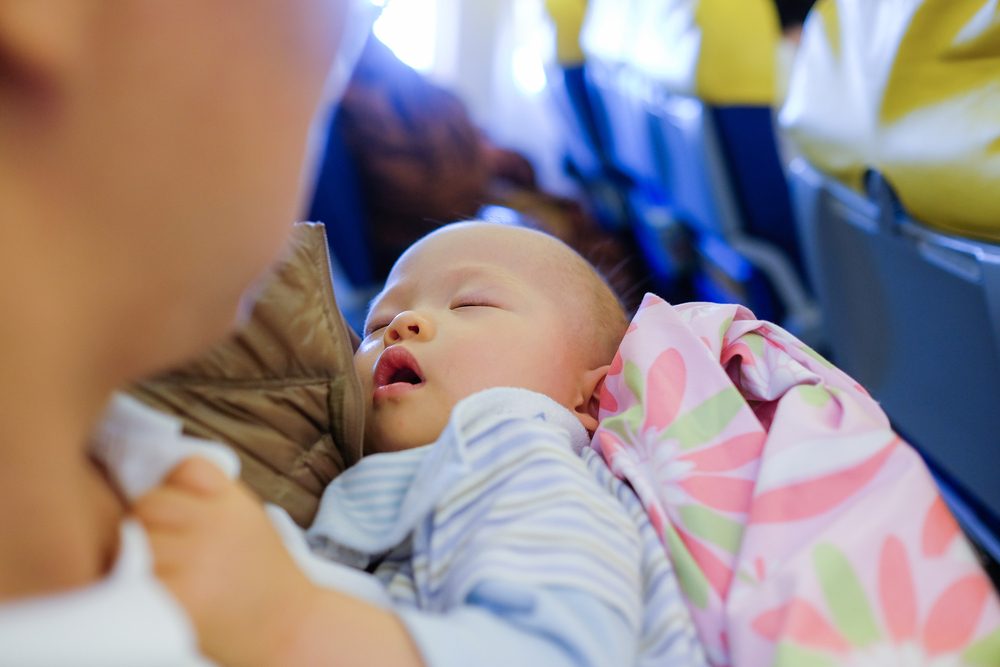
[[397, 366]]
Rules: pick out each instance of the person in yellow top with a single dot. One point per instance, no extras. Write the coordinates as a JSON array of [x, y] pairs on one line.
[[567, 17]]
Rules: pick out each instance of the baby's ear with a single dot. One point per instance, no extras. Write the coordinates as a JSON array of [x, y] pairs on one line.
[[589, 397]]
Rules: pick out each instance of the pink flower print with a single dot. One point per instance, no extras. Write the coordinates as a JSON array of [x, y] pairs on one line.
[[654, 472], [616, 364], [896, 591], [729, 455], [812, 497], [729, 494], [666, 381], [609, 404], [716, 571], [849, 632], [648, 301], [939, 529], [738, 349]]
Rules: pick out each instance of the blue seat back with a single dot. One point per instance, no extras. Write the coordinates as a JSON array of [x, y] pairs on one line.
[[582, 135], [749, 149], [914, 316], [339, 204]]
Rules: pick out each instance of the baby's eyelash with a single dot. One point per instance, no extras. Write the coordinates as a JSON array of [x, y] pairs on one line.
[[459, 306], [372, 328], [468, 303]]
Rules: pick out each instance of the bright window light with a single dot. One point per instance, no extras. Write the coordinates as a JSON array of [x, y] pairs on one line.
[[409, 28], [531, 36], [529, 73]]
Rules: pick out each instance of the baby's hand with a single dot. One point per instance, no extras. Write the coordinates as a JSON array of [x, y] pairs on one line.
[[218, 553]]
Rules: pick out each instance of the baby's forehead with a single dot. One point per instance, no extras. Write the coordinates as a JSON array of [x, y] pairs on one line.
[[416, 278], [518, 250], [486, 239], [481, 252]]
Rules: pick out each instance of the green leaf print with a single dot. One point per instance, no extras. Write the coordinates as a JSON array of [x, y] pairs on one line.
[[617, 426], [633, 378], [626, 424], [817, 356], [707, 420], [985, 652], [845, 596], [791, 655], [813, 395], [724, 327], [713, 527], [755, 342], [692, 581]]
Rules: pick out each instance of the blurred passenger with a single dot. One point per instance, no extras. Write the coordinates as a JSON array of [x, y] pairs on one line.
[[793, 14], [421, 160], [423, 163]]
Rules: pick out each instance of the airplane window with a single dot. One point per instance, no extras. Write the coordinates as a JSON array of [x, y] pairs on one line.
[[532, 36], [409, 28]]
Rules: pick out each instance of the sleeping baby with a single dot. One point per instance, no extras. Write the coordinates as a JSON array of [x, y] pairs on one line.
[[496, 535]]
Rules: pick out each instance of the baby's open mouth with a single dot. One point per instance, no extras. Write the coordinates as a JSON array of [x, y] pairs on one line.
[[397, 366]]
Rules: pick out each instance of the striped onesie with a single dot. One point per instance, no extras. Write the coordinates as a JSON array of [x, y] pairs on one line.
[[509, 542]]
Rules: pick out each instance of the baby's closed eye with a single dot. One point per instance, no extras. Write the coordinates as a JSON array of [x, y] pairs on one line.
[[375, 326], [475, 301], [456, 306]]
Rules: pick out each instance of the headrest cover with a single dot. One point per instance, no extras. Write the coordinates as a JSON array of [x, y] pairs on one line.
[[567, 15], [724, 52], [607, 32], [910, 89]]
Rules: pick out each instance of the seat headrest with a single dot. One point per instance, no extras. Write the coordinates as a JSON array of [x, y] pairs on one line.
[[567, 17], [724, 52], [910, 89]]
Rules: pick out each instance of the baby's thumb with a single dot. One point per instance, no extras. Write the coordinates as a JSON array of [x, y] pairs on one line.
[[197, 475]]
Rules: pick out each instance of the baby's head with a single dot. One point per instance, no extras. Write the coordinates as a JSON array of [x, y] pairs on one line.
[[479, 305]]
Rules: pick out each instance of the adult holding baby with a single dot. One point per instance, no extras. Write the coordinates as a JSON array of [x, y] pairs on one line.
[[152, 158]]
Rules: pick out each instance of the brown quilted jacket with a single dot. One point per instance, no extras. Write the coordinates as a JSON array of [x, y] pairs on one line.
[[281, 391]]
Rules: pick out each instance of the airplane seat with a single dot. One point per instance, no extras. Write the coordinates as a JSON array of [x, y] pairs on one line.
[[586, 158], [607, 37], [583, 143], [338, 203], [710, 69], [748, 143], [892, 109], [608, 115], [569, 85]]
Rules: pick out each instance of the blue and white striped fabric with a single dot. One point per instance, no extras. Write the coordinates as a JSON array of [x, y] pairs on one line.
[[509, 542]]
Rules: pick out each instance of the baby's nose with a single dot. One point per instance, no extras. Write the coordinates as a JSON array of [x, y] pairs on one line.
[[408, 325]]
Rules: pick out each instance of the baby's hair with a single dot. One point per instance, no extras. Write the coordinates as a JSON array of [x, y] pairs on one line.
[[609, 321]]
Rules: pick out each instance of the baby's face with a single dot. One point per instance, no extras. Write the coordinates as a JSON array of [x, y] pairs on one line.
[[463, 310]]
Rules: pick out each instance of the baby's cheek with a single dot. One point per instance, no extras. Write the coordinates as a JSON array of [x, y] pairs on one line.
[[364, 366]]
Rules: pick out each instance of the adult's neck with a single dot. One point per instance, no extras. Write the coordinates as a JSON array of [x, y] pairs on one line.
[[60, 521], [59, 517]]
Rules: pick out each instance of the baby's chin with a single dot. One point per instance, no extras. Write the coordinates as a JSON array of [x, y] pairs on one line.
[[381, 443]]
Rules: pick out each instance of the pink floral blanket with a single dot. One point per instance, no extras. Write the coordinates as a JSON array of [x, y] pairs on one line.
[[804, 532]]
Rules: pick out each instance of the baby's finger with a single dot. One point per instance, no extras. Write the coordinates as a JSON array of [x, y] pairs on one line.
[[198, 475], [169, 508]]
